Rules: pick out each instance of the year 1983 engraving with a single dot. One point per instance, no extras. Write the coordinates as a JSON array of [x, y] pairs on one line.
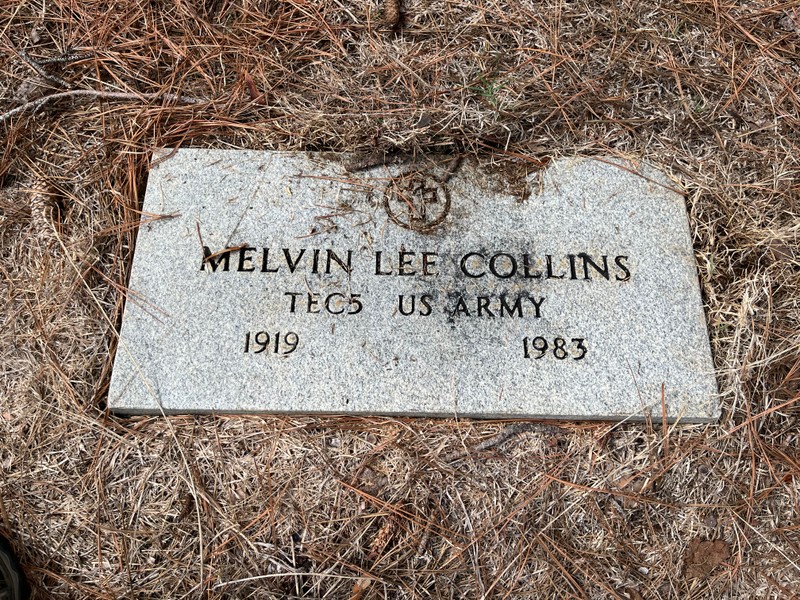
[[560, 348], [261, 340]]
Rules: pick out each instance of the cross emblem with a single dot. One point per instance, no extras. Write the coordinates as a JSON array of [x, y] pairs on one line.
[[417, 202]]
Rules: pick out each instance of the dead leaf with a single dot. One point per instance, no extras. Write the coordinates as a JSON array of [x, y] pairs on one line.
[[633, 594], [360, 587], [702, 557], [637, 485]]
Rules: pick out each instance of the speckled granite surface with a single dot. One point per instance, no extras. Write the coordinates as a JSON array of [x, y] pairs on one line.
[[411, 290]]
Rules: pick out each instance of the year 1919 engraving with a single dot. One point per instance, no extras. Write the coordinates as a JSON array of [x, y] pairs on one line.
[[259, 342], [559, 348]]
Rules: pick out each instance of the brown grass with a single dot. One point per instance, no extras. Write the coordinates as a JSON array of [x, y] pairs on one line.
[[275, 507]]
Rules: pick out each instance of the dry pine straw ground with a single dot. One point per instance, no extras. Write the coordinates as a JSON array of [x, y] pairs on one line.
[[108, 507]]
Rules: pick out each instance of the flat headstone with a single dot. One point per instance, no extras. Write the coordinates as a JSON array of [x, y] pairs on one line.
[[284, 282]]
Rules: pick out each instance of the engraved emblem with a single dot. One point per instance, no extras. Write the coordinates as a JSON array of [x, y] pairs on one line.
[[417, 201]]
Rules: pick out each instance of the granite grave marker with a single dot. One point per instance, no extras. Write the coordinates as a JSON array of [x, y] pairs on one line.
[[284, 282]]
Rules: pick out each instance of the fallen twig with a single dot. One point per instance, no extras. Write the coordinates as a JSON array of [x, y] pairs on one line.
[[35, 105], [37, 66], [505, 434], [66, 58]]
